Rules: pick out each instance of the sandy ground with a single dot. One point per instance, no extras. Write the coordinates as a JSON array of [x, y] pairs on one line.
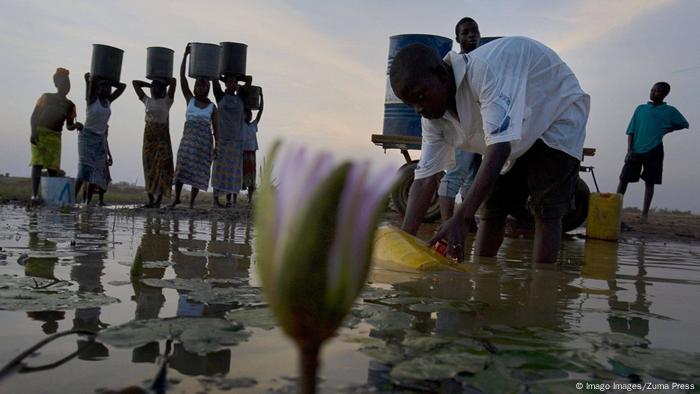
[[663, 226]]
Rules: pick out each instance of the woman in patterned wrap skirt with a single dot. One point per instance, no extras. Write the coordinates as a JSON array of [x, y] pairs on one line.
[[157, 149]]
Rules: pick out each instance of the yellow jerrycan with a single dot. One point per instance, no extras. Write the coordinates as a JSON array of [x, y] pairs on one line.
[[604, 216], [394, 248]]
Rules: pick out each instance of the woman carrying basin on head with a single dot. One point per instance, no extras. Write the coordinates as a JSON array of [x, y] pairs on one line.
[[194, 155], [157, 148], [94, 156], [228, 161]]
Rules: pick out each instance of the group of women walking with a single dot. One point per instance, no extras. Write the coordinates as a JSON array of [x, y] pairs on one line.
[[218, 144]]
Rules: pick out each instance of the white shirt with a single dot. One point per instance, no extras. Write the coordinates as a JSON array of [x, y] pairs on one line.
[[97, 117], [157, 110], [513, 89]]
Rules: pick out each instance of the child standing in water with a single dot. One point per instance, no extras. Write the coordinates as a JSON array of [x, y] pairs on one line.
[[157, 149], [50, 112], [250, 145], [94, 156], [196, 146], [228, 159]]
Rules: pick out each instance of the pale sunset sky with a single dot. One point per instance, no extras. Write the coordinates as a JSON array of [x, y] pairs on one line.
[[322, 66]]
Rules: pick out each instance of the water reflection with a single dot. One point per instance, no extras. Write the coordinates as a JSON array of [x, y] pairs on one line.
[[92, 234], [37, 266], [223, 256], [41, 267], [229, 250], [634, 325], [510, 290], [193, 364], [519, 294], [154, 246], [598, 287]]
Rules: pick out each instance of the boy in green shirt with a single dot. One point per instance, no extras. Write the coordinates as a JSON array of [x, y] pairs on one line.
[[645, 150]]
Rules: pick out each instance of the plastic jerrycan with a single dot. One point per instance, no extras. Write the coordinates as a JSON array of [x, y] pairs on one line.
[[394, 247], [604, 216]]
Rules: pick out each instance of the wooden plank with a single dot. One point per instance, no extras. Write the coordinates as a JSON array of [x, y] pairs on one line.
[[404, 140], [589, 151], [395, 139]]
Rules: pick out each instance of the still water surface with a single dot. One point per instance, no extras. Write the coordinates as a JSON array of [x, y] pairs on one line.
[[608, 312]]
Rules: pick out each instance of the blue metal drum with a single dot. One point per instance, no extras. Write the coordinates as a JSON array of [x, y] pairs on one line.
[[399, 118]]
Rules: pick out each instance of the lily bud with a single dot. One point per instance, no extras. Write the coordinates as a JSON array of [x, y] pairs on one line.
[[314, 235]]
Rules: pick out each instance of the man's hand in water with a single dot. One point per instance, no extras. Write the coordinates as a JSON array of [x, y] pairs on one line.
[[455, 231]]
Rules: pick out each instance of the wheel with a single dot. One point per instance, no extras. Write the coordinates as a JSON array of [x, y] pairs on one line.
[[574, 219], [400, 194]]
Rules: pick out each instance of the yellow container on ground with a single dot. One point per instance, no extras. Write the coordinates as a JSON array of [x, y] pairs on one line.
[[604, 216], [396, 248]]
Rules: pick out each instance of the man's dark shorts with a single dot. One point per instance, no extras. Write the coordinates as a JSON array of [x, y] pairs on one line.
[[652, 162], [546, 175]]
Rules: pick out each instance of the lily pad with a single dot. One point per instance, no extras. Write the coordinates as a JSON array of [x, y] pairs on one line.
[[229, 292], [663, 363], [419, 345], [531, 359], [383, 317], [618, 339], [444, 305], [526, 340], [226, 384], [199, 253], [200, 335], [259, 317], [150, 264], [377, 293], [119, 283], [363, 340], [177, 284], [401, 300], [494, 379], [385, 354], [35, 294], [425, 344], [438, 367]]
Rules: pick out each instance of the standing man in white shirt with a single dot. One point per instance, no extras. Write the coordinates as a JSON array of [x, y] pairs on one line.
[[517, 103]]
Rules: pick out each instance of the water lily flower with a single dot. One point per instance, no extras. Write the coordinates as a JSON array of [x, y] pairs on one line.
[[315, 228]]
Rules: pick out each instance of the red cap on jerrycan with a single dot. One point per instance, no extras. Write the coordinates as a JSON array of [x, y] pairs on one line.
[[441, 247]]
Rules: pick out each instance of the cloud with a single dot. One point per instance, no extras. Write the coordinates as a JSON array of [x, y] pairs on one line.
[[590, 21]]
